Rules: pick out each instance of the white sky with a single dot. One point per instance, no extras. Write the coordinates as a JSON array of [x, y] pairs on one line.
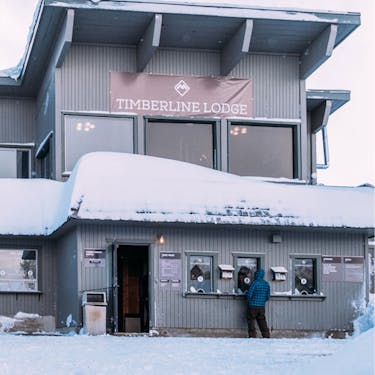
[[351, 129]]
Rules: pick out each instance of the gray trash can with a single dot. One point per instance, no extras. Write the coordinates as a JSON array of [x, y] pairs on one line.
[[94, 305]]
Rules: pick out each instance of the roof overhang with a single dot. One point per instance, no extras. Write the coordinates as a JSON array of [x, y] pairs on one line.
[[322, 103], [232, 30]]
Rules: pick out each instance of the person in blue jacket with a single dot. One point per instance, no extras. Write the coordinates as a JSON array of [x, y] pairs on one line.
[[257, 296]]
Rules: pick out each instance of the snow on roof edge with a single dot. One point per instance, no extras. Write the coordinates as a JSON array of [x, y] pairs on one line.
[[147, 189]]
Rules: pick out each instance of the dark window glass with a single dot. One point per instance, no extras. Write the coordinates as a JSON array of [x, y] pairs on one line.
[[245, 269], [84, 134], [200, 274], [305, 276], [265, 151], [14, 163], [190, 142], [18, 270]]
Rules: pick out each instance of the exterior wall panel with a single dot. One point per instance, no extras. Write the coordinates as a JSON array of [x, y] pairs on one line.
[[172, 309], [67, 300], [17, 120]]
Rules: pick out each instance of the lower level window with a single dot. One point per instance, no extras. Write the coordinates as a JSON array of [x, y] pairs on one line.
[[14, 163], [245, 270], [305, 276], [18, 270], [200, 274]]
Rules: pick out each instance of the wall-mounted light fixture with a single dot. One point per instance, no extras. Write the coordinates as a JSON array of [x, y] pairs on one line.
[[160, 239]]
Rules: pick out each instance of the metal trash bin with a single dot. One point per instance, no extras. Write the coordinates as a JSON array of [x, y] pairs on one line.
[[94, 305]]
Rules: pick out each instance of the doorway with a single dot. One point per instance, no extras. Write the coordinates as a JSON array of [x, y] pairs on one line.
[[133, 291]]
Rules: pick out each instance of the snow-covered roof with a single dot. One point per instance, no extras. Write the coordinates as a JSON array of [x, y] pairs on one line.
[[116, 186]]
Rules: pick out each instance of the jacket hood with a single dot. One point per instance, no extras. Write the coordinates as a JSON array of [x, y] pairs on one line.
[[259, 274]]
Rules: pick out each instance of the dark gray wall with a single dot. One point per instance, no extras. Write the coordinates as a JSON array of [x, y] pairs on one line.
[[170, 309], [17, 120], [43, 303], [67, 275]]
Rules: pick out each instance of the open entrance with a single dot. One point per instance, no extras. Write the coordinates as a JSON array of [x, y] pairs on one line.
[[133, 294]]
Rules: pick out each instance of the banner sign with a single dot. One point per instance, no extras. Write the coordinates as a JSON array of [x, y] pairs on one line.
[[183, 96]]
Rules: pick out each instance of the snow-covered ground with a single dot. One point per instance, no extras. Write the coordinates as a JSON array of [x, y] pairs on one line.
[[81, 354]]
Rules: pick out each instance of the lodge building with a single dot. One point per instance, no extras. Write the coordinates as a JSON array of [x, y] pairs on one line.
[[160, 153]]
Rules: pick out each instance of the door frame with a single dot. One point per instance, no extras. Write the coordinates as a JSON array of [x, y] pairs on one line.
[[115, 286]]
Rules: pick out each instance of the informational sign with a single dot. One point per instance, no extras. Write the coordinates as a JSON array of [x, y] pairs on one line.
[[94, 258], [354, 269], [170, 268], [332, 268], [183, 96]]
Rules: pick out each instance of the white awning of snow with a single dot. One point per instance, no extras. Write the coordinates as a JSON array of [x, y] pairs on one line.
[[115, 186]]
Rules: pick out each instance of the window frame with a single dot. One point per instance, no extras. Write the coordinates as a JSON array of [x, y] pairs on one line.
[[260, 264], [65, 172], [294, 125], [215, 133], [37, 267], [214, 272], [22, 148], [316, 272]]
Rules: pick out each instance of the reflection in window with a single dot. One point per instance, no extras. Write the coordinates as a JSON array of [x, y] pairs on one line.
[[265, 151], [305, 276], [190, 142], [245, 269], [18, 270], [14, 163], [200, 274], [84, 134]]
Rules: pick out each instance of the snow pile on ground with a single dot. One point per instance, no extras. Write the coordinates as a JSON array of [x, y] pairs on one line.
[[144, 188], [85, 355], [357, 355]]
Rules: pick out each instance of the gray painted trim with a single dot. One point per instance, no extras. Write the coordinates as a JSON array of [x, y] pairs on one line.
[[149, 42], [320, 116], [223, 10], [67, 35], [237, 46], [304, 171], [319, 51]]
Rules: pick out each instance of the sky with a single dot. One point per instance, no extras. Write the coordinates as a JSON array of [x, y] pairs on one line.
[[351, 130]]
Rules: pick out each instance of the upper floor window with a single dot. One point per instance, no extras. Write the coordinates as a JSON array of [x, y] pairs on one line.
[[192, 142], [262, 150], [14, 163], [84, 134], [18, 270]]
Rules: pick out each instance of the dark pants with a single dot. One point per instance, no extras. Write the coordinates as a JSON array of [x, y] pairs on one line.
[[255, 313]]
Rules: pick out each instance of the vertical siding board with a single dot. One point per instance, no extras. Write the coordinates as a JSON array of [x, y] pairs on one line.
[[17, 120]]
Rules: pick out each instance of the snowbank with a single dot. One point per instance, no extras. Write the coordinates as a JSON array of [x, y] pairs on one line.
[[118, 186]]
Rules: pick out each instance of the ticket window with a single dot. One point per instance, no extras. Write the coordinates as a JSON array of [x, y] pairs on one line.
[[245, 270]]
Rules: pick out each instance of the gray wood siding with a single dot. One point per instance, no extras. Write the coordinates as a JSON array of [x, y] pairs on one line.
[[17, 120], [171, 309], [85, 76], [44, 303], [67, 300]]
